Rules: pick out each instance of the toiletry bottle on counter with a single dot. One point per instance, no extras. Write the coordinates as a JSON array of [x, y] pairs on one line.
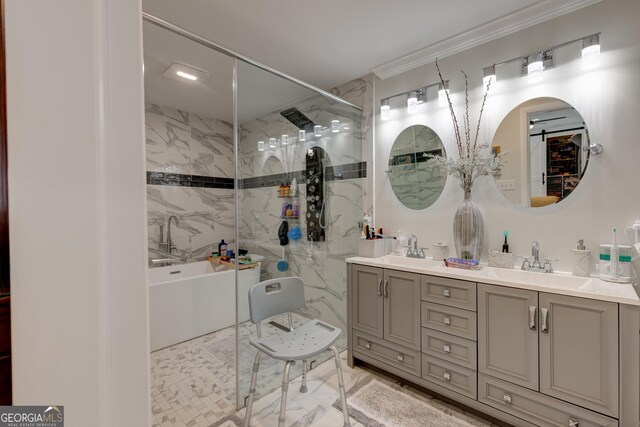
[[581, 260], [222, 248]]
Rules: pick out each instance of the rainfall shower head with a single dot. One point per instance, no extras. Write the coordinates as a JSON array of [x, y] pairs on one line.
[[296, 117]]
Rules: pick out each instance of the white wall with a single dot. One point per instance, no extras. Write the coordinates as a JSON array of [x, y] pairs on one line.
[[607, 98], [77, 209]]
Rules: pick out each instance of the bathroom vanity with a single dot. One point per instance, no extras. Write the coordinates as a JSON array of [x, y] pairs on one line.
[[526, 348]]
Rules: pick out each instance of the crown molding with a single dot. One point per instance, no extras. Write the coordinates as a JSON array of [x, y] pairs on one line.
[[500, 27]]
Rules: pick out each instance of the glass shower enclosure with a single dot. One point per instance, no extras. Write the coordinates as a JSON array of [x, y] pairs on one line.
[[299, 199], [275, 169]]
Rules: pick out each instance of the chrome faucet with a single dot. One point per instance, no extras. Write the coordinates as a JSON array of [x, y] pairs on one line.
[[170, 246], [535, 264], [412, 248]]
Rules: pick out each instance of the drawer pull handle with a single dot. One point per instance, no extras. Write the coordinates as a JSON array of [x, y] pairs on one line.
[[446, 321], [507, 398], [380, 288], [573, 422], [367, 345], [447, 293], [447, 349], [532, 317], [385, 290], [545, 312], [400, 357], [447, 376]]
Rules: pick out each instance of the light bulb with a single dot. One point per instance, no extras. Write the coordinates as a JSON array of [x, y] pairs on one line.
[[285, 140], [260, 145], [489, 79], [317, 130], [535, 67], [590, 52], [335, 126], [302, 136], [412, 102], [443, 90], [273, 143], [385, 109], [186, 75]]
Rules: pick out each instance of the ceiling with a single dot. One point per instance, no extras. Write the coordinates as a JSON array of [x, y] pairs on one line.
[[323, 43]]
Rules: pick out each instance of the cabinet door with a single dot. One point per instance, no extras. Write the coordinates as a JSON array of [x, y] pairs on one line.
[[579, 351], [367, 302], [508, 334], [401, 292]]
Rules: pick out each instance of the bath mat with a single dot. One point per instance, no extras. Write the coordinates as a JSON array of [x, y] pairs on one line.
[[378, 403]]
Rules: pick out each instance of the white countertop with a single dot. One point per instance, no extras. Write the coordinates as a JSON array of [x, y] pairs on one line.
[[557, 283]]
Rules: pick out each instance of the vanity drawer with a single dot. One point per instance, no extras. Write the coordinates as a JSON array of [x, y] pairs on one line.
[[450, 375], [536, 407], [449, 319], [392, 354], [450, 348], [451, 292]]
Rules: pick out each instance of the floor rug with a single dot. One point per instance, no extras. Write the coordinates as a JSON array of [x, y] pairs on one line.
[[381, 404]]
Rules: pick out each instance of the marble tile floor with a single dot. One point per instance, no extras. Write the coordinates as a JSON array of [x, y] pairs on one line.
[[193, 388]]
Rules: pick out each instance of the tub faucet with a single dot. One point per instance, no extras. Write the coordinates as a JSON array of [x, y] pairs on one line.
[[170, 246]]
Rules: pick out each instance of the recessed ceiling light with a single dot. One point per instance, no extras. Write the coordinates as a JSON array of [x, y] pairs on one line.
[[186, 75], [182, 72]]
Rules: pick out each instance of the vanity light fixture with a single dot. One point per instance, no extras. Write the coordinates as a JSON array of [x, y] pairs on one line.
[[260, 145], [443, 90], [302, 135], [385, 109], [285, 140], [412, 102], [591, 52], [335, 126], [317, 130], [535, 67], [489, 78], [182, 72], [273, 143]]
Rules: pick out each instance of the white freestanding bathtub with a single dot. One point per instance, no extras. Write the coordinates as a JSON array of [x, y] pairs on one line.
[[190, 300]]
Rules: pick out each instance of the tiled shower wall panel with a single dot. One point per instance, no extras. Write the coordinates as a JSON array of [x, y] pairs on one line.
[[184, 144]]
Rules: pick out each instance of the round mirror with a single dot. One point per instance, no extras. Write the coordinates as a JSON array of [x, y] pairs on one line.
[[416, 178], [547, 141]]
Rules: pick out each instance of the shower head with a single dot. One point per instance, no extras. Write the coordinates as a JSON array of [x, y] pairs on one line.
[[296, 117]]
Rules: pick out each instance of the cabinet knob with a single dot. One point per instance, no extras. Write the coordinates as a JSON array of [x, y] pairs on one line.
[[447, 376], [400, 357], [447, 293], [367, 345], [507, 398], [446, 321], [446, 348], [573, 422]]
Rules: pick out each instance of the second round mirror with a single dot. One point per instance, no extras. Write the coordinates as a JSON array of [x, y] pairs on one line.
[[547, 141], [416, 178]]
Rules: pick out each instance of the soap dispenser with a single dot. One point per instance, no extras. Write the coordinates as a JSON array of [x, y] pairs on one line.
[[581, 260]]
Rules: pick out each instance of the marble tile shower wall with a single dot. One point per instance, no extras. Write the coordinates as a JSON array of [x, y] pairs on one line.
[[320, 264], [184, 152]]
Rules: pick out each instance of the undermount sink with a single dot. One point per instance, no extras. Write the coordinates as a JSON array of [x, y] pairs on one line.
[[534, 278], [409, 262]]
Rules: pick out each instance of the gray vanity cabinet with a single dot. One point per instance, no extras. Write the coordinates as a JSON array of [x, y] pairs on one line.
[[508, 335], [401, 293], [579, 351], [386, 304], [367, 300]]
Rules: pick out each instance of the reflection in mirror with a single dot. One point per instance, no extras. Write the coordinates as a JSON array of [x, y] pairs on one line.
[[547, 141], [416, 178]]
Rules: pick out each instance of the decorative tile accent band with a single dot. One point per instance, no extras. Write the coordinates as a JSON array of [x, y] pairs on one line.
[[182, 180], [333, 173]]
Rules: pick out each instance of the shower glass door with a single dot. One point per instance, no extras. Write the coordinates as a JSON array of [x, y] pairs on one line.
[[300, 187]]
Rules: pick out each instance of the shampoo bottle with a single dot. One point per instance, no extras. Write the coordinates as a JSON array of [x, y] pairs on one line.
[[222, 249]]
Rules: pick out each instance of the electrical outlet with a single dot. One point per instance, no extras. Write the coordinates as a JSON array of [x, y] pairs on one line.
[[506, 185]]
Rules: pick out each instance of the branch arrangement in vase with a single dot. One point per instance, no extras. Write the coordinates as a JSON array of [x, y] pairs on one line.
[[473, 159]]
